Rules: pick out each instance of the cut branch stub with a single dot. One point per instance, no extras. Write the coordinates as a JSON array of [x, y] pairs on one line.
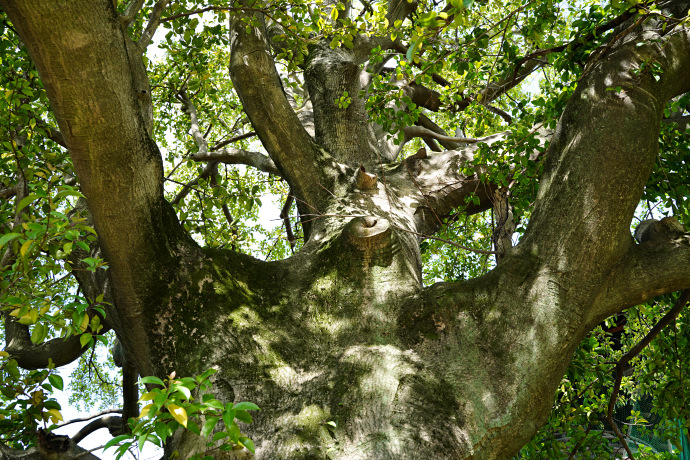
[[365, 181], [369, 233], [665, 229]]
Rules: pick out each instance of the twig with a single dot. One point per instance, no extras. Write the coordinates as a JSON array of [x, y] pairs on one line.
[[429, 237], [285, 215], [90, 417]]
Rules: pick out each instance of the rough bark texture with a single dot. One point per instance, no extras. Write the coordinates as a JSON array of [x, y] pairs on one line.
[[344, 330]]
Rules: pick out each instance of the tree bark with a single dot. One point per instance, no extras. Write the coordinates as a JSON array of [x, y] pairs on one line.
[[344, 330]]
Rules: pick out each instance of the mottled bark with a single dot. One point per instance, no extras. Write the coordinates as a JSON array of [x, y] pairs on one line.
[[344, 330]]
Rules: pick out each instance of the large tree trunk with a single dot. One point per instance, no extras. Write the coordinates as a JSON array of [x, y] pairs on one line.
[[344, 330]]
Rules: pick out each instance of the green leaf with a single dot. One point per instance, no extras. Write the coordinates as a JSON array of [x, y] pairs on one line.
[[116, 440], [56, 381], [243, 416], [193, 427], [186, 394], [8, 237], [412, 49], [220, 435], [85, 339], [228, 417], [142, 440], [246, 406], [162, 430], [234, 433], [39, 334], [25, 202], [209, 425], [248, 443], [151, 379]]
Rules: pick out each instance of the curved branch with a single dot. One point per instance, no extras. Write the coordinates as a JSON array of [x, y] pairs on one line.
[[90, 417], [648, 270], [259, 87], [154, 22], [419, 131], [114, 424], [32, 356], [232, 156]]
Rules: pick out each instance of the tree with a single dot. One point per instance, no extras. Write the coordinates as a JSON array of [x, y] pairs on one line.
[[342, 345]]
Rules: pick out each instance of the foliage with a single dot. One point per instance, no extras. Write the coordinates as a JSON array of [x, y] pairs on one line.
[[172, 406], [27, 402]]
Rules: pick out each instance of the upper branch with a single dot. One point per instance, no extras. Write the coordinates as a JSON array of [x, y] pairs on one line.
[[588, 193], [260, 89], [154, 22], [232, 156]]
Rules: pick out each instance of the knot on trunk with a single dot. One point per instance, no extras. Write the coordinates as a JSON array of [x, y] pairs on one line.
[[365, 181], [667, 228], [369, 234]]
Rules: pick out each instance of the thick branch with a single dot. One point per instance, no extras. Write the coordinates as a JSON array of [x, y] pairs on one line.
[[232, 156], [648, 270], [593, 193], [52, 446], [32, 356], [119, 166], [113, 423], [260, 89]]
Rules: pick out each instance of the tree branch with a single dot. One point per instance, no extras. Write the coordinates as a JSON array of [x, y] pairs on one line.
[[52, 446], [259, 87], [222, 144], [210, 170], [285, 215], [118, 164], [131, 11], [419, 131], [113, 423], [154, 22], [233, 156], [190, 109], [90, 417], [29, 355], [648, 270]]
